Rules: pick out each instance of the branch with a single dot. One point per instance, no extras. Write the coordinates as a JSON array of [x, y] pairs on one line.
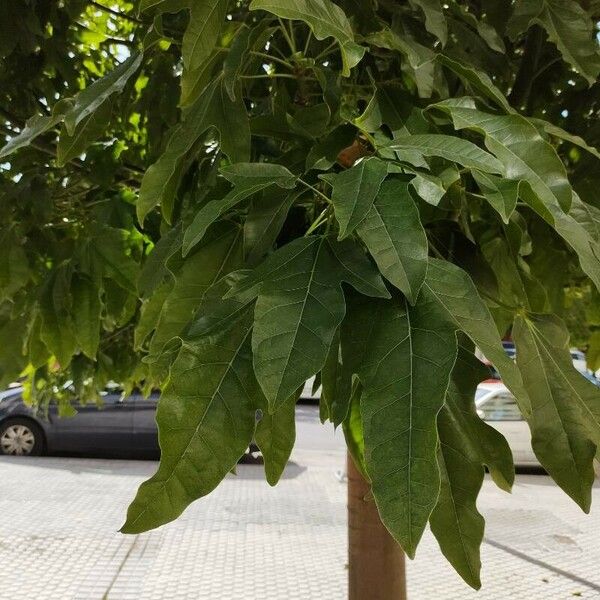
[[116, 13]]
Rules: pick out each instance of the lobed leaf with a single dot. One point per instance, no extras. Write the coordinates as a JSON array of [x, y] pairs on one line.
[[202, 32], [565, 407], [299, 307], [466, 444], [275, 436], [410, 354], [205, 423], [568, 26], [353, 192], [219, 254], [449, 147], [456, 294], [325, 18], [92, 97], [393, 233], [213, 108]]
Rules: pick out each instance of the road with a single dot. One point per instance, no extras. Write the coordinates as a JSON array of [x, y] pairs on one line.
[[59, 519]]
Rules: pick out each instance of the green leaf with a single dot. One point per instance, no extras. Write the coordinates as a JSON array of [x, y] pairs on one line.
[[579, 235], [248, 179], [14, 266], [325, 20], [202, 33], [466, 444], [38, 353], [435, 21], [561, 134], [155, 268], [57, 331], [578, 229], [484, 30], [429, 188], [389, 106], [275, 436], [88, 130], [588, 217], [110, 248], [478, 80], [215, 313], [250, 174], [93, 96], [354, 191], [502, 194], [498, 255], [232, 65], [353, 432], [12, 359], [420, 58], [266, 217], [593, 353], [455, 292], [455, 521], [293, 330], [245, 39], [205, 422], [568, 26], [449, 147], [520, 148], [34, 127], [86, 314], [336, 382], [219, 254], [149, 314], [409, 358], [164, 5], [213, 108], [483, 440], [565, 407], [393, 233]]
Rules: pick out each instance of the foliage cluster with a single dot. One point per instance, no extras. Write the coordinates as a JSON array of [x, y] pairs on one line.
[[225, 198]]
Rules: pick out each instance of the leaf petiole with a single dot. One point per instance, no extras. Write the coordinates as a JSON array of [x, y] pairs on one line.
[[322, 218], [314, 189]]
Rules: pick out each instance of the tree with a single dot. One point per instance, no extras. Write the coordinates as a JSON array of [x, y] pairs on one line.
[[225, 198]]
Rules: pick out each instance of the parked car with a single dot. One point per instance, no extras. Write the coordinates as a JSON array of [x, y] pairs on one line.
[[498, 408], [120, 424], [308, 393]]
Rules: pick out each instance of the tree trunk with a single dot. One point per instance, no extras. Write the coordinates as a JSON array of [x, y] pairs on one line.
[[376, 568]]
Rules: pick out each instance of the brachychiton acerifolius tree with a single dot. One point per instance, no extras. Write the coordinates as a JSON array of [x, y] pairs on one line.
[[225, 198]]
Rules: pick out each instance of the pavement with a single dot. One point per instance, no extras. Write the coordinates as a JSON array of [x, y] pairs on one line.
[[59, 521]]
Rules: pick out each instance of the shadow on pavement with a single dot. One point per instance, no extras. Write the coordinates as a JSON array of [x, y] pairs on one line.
[[255, 471], [124, 466]]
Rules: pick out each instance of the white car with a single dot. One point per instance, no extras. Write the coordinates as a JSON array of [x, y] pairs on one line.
[[498, 408]]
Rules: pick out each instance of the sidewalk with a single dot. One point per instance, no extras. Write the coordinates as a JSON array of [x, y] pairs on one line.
[[59, 519]]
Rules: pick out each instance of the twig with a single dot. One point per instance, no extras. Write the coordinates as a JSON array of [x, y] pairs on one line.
[[116, 13]]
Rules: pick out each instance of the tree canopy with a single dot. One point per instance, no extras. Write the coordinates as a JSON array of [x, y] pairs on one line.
[[225, 198]]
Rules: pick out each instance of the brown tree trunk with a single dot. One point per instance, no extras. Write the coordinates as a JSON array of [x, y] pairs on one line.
[[376, 568]]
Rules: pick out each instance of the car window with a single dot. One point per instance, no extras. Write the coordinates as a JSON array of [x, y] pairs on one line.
[[501, 407]]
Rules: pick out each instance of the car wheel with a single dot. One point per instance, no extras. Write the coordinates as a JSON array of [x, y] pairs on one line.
[[21, 437]]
